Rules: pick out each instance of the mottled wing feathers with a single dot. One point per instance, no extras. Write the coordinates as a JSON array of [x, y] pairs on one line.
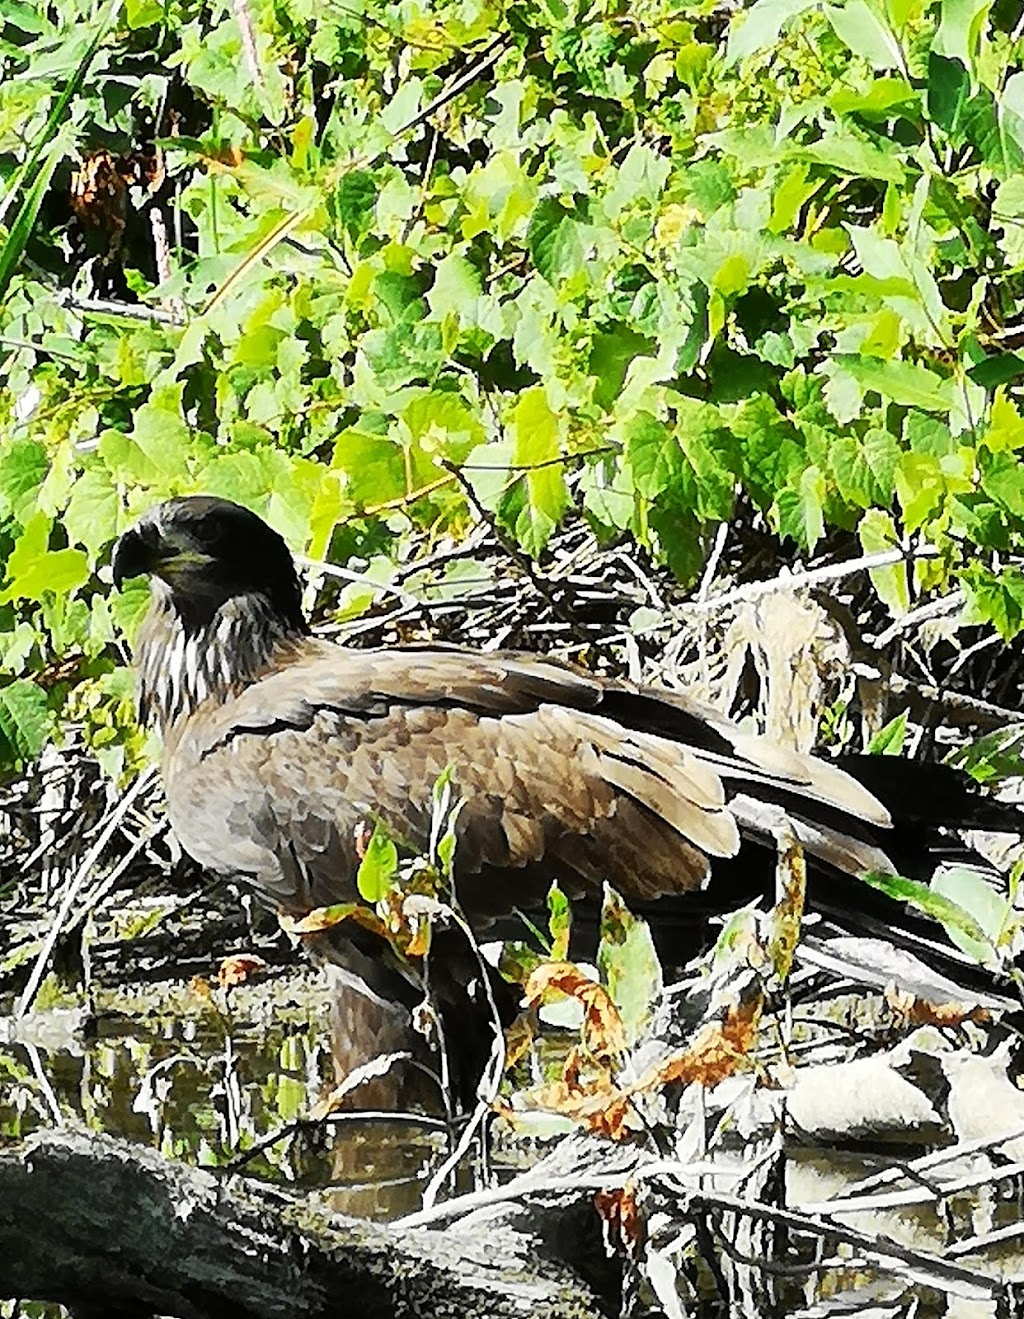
[[565, 775]]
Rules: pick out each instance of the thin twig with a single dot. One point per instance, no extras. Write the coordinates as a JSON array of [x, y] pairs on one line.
[[799, 581], [75, 886], [922, 614]]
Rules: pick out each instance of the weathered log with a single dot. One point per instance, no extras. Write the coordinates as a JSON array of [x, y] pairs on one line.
[[91, 1221]]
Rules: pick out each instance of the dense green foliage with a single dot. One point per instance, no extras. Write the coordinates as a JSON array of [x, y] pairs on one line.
[[641, 261]]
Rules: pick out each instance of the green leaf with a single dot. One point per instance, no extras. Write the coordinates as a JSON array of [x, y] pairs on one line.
[[760, 25], [859, 28], [611, 353], [888, 741], [949, 89], [355, 199], [144, 13], [25, 721], [1002, 478], [852, 472], [845, 150], [537, 447], [799, 511], [882, 451], [373, 464], [379, 867], [34, 570], [906, 383], [93, 512], [652, 453], [456, 287], [129, 606], [960, 24], [629, 965], [960, 925], [23, 468], [997, 370], [996, 598], [559, 923], [993, 756], [877, 533], [642, 175], [554, 241], [160, 431], [974, 891]]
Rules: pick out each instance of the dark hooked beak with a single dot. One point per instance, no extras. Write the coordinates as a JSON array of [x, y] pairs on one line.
[[137, 552]]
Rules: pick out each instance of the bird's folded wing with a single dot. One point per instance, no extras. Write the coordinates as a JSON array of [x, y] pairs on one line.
[[564, 775]]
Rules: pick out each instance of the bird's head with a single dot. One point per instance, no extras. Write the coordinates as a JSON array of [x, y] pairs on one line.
[[202, 552]]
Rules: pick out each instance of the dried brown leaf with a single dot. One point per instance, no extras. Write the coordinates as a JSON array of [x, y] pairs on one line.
[[603, 1035], [719, 1050], [624, 1225], [236, 970]]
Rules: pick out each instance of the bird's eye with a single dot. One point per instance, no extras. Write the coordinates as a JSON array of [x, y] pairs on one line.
[[207, 534]]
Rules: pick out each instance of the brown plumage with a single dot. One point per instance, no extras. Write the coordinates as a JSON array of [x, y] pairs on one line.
[[279, 747]]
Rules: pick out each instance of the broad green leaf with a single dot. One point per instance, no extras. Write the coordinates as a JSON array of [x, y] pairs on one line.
[[144, 13], [93, 512], [949, 89], [652, 453], [882, 451], [24, 464], [161, 433], [443, 424], [355, 199], [846, 151], [610, 355], [877, 534], [374, 467], [1005, 425], [25, 721], [537, 450], [129, 606], [960, 24], [629, 965], [456, 288], [378, 868], [928, 435], [799, 511], [977, 892], [906, 383], [1002, 478], [880, 99], [858, 26], [760, 25], [960, 925], [554, 241], [640, 178], [999, 369], [996, 598], [34, 570]]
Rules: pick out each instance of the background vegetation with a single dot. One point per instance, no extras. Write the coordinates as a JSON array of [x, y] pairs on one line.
[[381, 269]]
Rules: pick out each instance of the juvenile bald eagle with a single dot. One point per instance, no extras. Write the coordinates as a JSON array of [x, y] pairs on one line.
[[279, 747]]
